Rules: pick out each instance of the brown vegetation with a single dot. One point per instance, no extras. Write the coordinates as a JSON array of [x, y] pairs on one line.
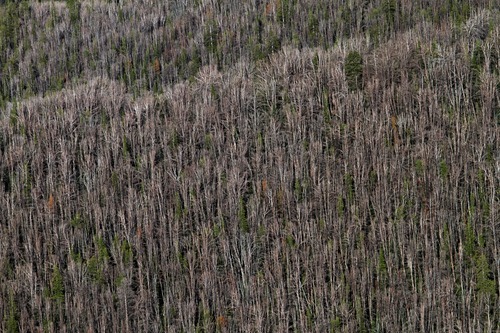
[[224, 190]]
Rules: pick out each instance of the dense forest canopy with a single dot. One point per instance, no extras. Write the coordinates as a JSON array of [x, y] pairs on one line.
[[249, 166]]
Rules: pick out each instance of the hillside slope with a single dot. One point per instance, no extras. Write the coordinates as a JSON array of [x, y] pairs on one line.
[[222, 167]]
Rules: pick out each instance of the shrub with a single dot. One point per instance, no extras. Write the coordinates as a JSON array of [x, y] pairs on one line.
[[353, 69], [12, 317], [57, 286], [242, 216]]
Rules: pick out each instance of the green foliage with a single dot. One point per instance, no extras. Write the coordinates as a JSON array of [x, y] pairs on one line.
[[297, 189], [57, 286], [242, 216], [179, 207], [218, 229], [174, 140], [13, 115], [443, 169], [210, 37], [382, 265], [119, 280], [360, 316], [483, 195], [335, 325], [96, 264], [12, 318], [419, 167], [214, 93], [340, 205], [125, 250], [376, 327], [76, 256], [95, 269], [102, 250], [182, 260], [126, 146], [74, 11], [256, 51], [194, 64], [401, 213], [204, 320], [349, 187], [46, 325], [115, 180], [310, 316], [260, 140], [470, 240], [7, 268], [313, 28], [346, 15], [315, 62], [489, 148], [389, 10], [121, 16], [273, 43], [485, 283], [353, 70], [473, 250], [290, 241], [459, 11], [478, 59], [181, 60], [9, 26], [476, 68], [284, 12], [375, 29], [77, 221]]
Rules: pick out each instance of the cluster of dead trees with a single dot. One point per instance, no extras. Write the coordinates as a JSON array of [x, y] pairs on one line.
[[46, 45], [348, 186]]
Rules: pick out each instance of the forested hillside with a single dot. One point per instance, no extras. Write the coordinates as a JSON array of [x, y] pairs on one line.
[[249, 166]]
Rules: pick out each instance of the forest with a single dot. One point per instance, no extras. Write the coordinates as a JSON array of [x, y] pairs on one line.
[[249, 166]]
